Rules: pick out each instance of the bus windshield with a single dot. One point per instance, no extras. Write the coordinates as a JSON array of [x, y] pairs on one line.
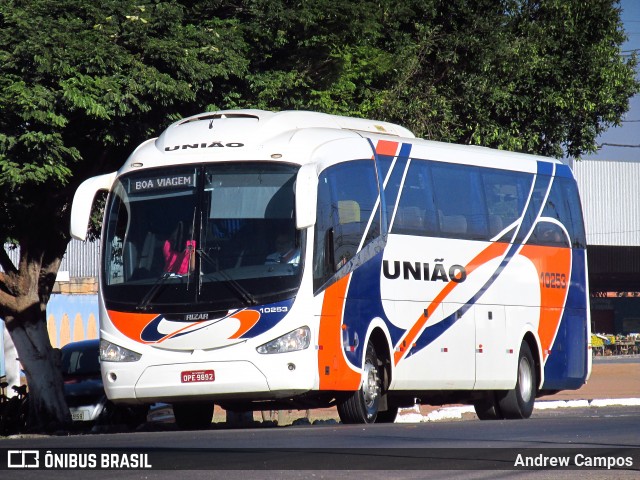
[[201, 237]]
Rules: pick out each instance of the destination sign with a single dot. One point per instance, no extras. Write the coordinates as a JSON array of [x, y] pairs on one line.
[[164, 182]]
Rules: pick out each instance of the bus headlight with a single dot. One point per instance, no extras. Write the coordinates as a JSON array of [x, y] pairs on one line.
[[298, 339], [110, 352]]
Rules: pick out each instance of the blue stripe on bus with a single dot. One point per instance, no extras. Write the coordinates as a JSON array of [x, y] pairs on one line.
[[364, 303], [535, 206], [564, 171], [405, 150], [566, 367], [545, 168]]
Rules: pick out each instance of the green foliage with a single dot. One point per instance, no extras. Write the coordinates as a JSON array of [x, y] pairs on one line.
[[541, 77], [82, 82]]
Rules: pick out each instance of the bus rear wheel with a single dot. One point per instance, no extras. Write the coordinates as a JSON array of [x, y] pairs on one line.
[[362, 405], [193, 416], [487, 407], [518, 403]]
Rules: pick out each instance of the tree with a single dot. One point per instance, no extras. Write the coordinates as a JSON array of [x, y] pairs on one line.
[[534, 76], [82, 83]]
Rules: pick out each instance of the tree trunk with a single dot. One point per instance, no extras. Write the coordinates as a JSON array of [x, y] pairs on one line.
[[48, 410], [25, 290]]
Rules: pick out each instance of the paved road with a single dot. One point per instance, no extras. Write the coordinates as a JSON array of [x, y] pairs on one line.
[[585, 425], [401, 448]]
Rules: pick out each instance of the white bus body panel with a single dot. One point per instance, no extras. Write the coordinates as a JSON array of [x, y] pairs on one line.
[[479, 350]]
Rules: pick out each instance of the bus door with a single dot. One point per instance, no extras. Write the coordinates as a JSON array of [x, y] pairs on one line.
[[491, 349]]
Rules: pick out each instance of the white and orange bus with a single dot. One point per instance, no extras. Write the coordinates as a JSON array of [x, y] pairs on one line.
[[262, 260]]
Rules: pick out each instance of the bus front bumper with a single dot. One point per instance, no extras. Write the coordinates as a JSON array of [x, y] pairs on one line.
[[184, 381]]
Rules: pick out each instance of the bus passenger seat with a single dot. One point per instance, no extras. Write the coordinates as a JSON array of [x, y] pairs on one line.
[[148, 250], [348, 211], [495, 224], [455, 224], [411, 218]]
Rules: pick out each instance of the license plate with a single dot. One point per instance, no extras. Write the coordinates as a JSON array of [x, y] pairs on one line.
[[80, 415], [198, 376]]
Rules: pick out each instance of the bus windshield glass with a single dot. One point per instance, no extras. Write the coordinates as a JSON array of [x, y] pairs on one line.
[[204, 237]]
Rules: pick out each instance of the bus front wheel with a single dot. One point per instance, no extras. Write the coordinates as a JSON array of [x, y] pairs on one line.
[[362, 405]]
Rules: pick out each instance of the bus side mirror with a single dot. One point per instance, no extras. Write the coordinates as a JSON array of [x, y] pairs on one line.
[[306, 196], [83, 201]]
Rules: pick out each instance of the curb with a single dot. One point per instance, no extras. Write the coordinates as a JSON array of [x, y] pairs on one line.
[[413, 415]]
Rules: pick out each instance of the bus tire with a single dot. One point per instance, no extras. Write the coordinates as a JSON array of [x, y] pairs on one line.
[[518, 403], [362, 405], [487, 407], [193, 416]]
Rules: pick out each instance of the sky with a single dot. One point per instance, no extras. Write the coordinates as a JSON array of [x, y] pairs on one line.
[[629, 132]]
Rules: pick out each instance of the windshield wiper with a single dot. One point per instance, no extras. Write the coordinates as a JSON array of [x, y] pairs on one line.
[[242, 292], [153, 291]]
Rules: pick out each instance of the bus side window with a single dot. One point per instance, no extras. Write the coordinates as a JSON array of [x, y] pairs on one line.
[[349, 232], [393, 178], [416, 212], [505, 194], [562, 205], [548, 234], [460, 200], [574, 208], [347, 194]]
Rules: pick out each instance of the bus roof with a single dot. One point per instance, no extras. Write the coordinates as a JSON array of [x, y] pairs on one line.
[[292, 136]]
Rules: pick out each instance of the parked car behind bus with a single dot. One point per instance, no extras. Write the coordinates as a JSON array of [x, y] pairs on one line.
[[84, 391]]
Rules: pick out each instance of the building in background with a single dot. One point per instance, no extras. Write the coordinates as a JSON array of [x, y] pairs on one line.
[[72, 311], [610, 191]]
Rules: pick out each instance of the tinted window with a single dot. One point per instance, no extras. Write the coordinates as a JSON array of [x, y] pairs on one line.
[[578, 236], [393, 181], [347, 195], [562, 206], [459, 201], [416, 213], [506, 194], [459, 198]]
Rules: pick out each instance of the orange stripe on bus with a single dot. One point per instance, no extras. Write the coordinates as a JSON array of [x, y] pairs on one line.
[[131, 324], [247, 318], [492, 251], [334, 371], [387, 147], [554, 271]]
